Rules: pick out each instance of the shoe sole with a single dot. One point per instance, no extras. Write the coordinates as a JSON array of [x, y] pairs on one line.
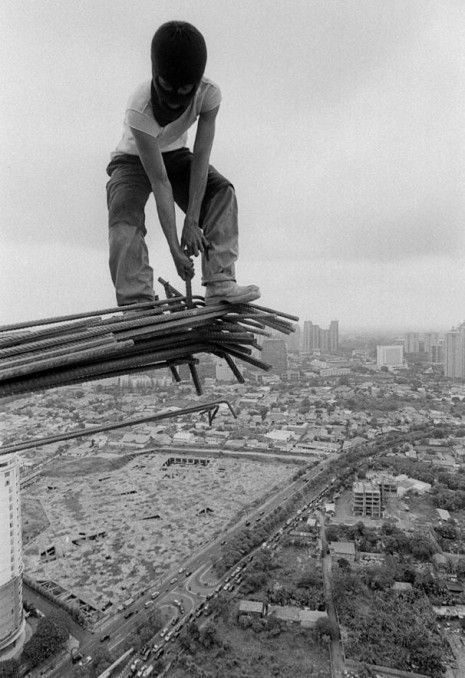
[[238, 299]]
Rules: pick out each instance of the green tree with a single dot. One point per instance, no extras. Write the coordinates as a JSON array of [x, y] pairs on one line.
[[46, 641], [332, 533], [102, 660], [9, 669], [325, 630], [209, 635]]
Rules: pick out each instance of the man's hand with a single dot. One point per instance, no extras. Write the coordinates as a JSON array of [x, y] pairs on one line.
[[193, 239], [184, 265]]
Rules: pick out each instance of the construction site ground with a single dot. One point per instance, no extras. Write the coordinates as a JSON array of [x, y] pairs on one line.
[[152, 517]]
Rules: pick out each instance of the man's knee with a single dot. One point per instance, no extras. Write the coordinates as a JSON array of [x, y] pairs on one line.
[[123, 236], [126, 204]]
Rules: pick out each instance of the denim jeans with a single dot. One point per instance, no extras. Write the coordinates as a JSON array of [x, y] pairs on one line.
[[127, 193]]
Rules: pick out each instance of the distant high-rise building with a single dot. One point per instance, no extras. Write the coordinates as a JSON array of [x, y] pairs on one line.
[[317, 338], [307, 337], [334, 336], [274, 353], [412, 342], [293, 340], [430, 345], [390, 356], [11, 559], [454, 348], [324, 340]]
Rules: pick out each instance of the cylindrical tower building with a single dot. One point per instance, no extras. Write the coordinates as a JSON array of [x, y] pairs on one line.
[[11, 559]]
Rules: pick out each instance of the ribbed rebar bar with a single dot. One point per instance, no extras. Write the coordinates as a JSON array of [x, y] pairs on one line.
[[233, 367], [56, 363], [31, 356], [76, 316], [84, 347]]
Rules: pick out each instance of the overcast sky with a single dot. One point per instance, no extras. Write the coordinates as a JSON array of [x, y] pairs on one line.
[[341, 127]]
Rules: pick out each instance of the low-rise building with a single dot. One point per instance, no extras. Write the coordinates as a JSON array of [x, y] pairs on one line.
[[443, 514], [401, 586], [366, 499], [251, 607], [342, 549], [309, 618], [288, 613], [450, 611]]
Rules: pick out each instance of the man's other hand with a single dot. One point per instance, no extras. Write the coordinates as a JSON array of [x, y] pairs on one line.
[[184, 265], [193, 239]]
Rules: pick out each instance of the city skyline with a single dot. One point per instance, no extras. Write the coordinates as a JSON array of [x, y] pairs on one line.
[[341, 128]]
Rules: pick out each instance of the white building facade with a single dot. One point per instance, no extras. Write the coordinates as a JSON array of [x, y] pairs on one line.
[[11, 560]]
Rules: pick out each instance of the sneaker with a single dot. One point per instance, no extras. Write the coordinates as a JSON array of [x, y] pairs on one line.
[[231, 292]]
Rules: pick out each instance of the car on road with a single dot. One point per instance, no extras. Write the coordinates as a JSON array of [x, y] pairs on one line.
[[104, 637], [148, 603], [188, 573], [76, 656], [198, 613], [174, 580], [222, 543], [181, 570], [128, 614], [135, 665], [145, 652], [155, 594]]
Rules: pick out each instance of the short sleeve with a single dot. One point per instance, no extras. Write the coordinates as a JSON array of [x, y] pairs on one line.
[[212, 97], [142, 122]]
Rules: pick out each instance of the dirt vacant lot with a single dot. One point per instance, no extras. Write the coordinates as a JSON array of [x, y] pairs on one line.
[[152, 516]]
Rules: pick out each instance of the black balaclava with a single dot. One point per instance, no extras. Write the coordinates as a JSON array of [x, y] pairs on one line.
[[179, 55]]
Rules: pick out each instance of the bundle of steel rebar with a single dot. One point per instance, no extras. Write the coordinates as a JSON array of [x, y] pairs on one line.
[[116, 341]]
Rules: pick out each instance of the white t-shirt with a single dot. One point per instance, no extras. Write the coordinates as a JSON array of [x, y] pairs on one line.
[[139, 115]]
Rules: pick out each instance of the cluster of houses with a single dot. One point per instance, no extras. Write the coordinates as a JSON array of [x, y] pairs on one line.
[[287, 613]]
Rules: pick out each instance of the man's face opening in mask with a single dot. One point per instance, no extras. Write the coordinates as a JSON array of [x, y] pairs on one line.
[[174, 97]]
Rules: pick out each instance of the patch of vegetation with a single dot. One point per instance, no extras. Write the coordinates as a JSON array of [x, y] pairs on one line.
[[387, 627], [50, 636], [149, 624], [252, 648]]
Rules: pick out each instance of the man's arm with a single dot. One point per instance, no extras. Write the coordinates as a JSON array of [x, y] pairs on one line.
[[152, 161], [192, 235]]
